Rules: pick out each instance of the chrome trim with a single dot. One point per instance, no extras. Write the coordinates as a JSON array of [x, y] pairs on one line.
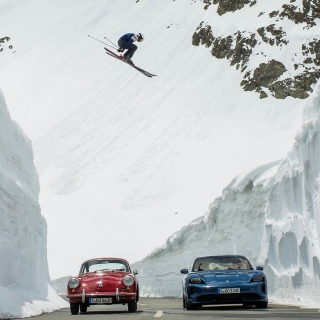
[[102, 294], [117, 295], [100, 283], [83, 296]]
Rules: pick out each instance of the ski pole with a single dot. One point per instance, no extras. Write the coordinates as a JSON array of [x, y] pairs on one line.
[[102, 42], [110, 41]]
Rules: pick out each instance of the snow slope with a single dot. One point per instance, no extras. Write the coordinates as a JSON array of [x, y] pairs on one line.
[[270, 213], [24, 278], [122, 156]]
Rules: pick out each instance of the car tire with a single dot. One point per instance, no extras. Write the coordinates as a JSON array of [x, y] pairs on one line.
[[132, 306], [262, 305], [184, 303], [83, 308], [74, 308], [189, 306]]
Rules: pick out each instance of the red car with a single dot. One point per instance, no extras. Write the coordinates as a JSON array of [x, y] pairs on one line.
[[103, 281]]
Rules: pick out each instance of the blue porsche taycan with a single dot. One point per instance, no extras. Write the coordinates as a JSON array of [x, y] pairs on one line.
[[224, 279]]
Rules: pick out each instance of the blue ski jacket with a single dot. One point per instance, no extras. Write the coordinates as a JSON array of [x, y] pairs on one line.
[[129, 38]]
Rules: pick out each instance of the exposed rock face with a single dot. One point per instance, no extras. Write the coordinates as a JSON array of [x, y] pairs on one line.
[[3, 40], [236, 48], [228, 5], [312, 52], [264, 76], [294, 79], [278, 34], [309, 12]]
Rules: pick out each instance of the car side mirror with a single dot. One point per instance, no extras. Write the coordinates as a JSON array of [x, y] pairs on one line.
[[184, 271], [259, 268], [135, 271]]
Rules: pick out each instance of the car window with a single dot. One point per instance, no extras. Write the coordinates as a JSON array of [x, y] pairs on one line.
[[104, 266], [221, 263]]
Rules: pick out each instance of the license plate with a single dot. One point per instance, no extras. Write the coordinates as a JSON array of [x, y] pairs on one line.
[[228, 290], [100, 300]]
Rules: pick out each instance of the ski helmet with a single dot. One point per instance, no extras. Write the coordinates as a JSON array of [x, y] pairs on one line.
[[141, 36]]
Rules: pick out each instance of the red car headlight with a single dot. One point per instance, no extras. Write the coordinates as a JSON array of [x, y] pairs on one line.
[[128, 281], [73, 283]]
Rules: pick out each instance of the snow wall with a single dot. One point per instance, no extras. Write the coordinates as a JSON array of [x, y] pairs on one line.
[[25, 288], [270, 214]]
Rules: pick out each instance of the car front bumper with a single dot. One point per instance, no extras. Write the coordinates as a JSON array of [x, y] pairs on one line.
[[202, 294], [117, 297]]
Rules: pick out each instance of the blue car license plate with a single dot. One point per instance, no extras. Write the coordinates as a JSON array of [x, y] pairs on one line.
[[228, 290]]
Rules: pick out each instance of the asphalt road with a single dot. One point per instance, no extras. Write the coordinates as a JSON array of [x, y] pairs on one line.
[[171, 309]]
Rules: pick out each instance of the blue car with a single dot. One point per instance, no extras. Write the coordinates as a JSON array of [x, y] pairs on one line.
[[224, 279]]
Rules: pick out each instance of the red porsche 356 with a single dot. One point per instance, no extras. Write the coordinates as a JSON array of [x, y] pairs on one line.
[[103, 281]]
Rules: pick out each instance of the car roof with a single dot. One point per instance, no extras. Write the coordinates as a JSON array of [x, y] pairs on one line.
[[222, 255], [106, 258]]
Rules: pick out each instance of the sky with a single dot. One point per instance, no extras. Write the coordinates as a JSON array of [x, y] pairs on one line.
[[125, 161]]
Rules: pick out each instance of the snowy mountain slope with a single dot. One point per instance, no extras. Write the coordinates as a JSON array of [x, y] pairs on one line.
[[24, 278], [271, 214], [118, 153], [277, 51]]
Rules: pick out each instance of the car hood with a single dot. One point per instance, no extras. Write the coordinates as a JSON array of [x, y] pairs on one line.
[[105, 276], [224, 276], [102, 281]]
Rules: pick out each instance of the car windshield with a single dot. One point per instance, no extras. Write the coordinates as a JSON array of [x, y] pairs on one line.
[[104, 266], [221, 263]]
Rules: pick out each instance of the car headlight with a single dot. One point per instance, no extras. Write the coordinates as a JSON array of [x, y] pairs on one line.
[[196, 280], [73, 283], [128, 281], [257, 279]]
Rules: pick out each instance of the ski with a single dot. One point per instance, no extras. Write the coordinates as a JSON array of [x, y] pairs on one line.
[[114, 55]]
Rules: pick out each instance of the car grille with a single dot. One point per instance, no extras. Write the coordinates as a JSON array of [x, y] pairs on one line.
[[251, 296], [229, 297]]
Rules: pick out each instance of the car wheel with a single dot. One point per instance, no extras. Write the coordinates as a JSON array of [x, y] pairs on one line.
[[83, 308], [189, 306], [184, 303], [132, 306], [262, 305], [74, 308]]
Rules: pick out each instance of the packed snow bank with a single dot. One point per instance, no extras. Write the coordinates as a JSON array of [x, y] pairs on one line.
[[24, 277], [60, 285], [270, 214]]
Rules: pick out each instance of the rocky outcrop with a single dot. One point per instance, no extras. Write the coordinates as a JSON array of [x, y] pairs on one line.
[[263, 76], [203, 35], [267, 75], [4, 40], [312, 52], [237, 47], [225, 6], [271, 77], [307, 14], [279, 36]]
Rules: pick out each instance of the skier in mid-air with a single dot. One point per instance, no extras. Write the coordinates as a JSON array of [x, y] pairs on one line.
[[126, 43]]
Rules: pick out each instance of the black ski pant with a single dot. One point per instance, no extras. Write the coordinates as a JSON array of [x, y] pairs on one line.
[[131, 50]]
